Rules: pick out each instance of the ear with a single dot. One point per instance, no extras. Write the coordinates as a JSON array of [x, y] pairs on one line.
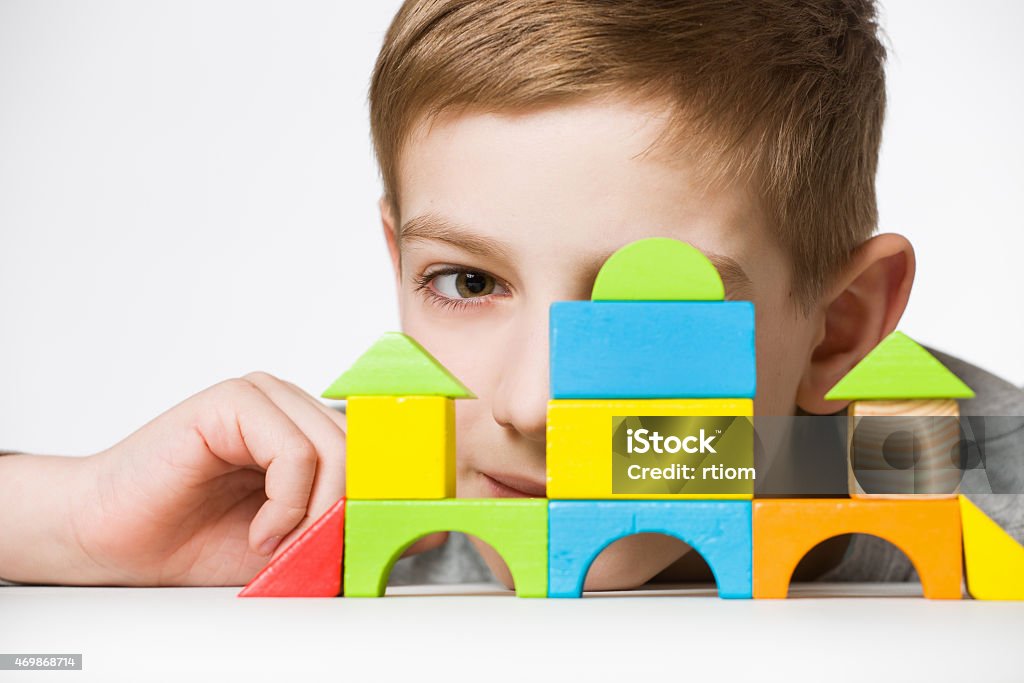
[[863, 306], [387, 219]]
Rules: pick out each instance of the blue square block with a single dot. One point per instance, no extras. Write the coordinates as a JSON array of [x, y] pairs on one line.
[[721, 531], [652, 349]]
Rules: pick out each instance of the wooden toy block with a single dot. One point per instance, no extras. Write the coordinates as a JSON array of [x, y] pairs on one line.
[[308, 568], [928, 531], [400, 447], [658, 269], [378, 532], [658, 349], [719, 530], [899, 368], [994, 559], [397, 366], [586, 458], [907, 448]]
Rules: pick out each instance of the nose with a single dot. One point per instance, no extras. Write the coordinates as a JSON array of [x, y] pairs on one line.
[[521, 400]]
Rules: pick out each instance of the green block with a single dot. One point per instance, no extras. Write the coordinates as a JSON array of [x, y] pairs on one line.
[[397, 366], [658, 269], [377, 532], [898, 368]]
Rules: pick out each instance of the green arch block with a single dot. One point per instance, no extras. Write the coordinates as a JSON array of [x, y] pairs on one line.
[[658, 269], [377, 532]]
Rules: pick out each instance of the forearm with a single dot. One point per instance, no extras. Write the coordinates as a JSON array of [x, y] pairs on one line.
[[37, 540]]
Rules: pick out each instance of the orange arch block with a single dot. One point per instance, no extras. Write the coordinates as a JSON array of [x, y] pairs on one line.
[[928, 531]]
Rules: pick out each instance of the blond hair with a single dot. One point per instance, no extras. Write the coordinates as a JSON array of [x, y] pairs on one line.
[[790, 93]]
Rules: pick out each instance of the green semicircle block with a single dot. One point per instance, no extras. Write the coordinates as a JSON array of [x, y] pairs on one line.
[[396, 365], [658, 269], [898, 368]]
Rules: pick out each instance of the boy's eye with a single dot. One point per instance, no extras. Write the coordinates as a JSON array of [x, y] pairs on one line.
[[457, 287], [466, 284]]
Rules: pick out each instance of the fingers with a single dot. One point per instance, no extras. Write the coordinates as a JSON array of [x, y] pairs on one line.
[[325, 433], [242, 426], [336, 416]]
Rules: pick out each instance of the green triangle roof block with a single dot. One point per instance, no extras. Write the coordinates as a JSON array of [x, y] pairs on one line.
[[899, 368], [658, 269], [397, 366]]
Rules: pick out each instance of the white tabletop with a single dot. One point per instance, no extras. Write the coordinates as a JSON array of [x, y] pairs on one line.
[[475, 633]]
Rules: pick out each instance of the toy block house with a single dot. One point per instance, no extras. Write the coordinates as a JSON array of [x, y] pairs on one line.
[[904, 428], [652, 383], [400, 472], [904, 442], [401, 422], [654, 372]]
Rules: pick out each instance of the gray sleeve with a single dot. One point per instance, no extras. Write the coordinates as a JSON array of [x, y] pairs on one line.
[[457, 561]]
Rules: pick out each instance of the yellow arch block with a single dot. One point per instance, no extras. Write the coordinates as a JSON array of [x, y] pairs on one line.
[[995, 561]]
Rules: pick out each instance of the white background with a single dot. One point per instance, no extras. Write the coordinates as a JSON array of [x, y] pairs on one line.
[[187, 193]]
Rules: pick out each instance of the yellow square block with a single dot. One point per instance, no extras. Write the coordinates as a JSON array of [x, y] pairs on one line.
[[400, 447], [579, 444]]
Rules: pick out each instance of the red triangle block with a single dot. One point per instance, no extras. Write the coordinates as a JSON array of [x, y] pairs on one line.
[[310, 567]]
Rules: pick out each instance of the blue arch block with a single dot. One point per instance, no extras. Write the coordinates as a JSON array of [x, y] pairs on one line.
[[721, 531]]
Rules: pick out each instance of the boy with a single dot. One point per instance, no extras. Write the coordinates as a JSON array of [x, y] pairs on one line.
[[520, 144]]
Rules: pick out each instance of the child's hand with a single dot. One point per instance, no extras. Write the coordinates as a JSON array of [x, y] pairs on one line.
[[205, 492]]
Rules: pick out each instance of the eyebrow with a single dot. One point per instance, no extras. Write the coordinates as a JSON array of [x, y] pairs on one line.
[[434, 227], [737, 283]]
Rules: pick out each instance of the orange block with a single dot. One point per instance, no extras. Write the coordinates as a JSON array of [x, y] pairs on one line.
[[928, 531]]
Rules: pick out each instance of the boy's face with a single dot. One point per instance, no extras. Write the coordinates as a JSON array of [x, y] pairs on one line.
[[502, 214]]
